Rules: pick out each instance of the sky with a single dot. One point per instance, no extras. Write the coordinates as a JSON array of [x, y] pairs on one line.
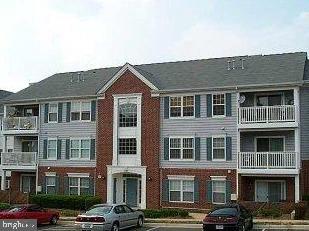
[[39, 38]]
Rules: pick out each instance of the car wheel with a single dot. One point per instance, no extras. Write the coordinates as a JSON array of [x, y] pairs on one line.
[[115, 227], [140, 221], [53, 220]]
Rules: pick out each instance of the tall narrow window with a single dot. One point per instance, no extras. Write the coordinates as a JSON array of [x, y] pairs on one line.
[[128, 115], [53, 112], [50, 184], [52, 149], [218, 152], [218, 104], [218, 192]]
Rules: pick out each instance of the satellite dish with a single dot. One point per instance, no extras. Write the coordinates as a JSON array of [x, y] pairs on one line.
[[242, 99]]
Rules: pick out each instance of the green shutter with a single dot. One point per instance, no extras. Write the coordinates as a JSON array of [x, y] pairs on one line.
[[60, 106], [196, 190], [66, 185], [91, 186], [197, 106], [228, 108], [197, 148], [67, 148], [57, 185], [93, 109], [59, 144], [92, 149], [46, 113], [209, 148], [228, 141], [44, 149], [166, 107], [68, 119], [228, 184], [115, 191], [43, 185], [165, 190], [209, 191], [166, 148], [209, 105]]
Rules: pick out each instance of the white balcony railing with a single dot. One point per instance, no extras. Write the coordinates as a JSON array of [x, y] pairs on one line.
[[267, 160], [20, 159], [267, 114], [29, 123]]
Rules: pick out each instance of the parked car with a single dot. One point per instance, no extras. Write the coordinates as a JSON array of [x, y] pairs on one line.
[[31, 212], [109, 217], [228, 217]]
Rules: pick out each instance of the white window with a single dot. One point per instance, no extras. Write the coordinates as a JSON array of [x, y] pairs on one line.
[[50, 184], [181, 190], [182, 106], [79, 185], [127, 146], [80, 149], [52, 149], [218, 148], [53, 112], [128, 115], [182, 148], [218, 103], [80, 111], [218, 192]]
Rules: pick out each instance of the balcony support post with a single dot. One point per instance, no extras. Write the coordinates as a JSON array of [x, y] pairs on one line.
[[296, 188], [296, 104], [3, 179]]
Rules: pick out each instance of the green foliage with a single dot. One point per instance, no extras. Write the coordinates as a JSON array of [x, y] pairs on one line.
[[269, 212], [165, 213], [306, 197], [65, 201], [69, 213], [4, 206]]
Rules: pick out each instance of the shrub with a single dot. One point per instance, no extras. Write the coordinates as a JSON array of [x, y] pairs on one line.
[[269, 212], [4, 206], [306, 197], [164, 213], [65, 201]]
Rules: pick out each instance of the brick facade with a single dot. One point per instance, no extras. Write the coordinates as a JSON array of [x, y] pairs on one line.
[[150, 125]]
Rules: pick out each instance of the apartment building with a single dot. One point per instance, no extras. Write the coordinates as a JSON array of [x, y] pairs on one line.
[[178, 134]]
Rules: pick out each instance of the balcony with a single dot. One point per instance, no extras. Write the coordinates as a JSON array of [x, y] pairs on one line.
[[20, 125], [267, 116], [19, 160], [268, 162]]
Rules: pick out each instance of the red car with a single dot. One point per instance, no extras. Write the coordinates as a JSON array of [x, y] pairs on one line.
[[31, 212]]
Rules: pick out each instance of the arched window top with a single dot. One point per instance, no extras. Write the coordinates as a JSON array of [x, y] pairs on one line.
[[128, 115]]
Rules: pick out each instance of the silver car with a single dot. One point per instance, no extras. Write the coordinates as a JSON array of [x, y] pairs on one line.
[[109, 217]]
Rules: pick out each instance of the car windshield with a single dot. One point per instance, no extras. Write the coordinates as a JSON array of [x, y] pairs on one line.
[[15, 209], [99, 210], [224, 212]]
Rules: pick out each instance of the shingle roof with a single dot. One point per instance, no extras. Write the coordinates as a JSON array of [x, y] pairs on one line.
[[194, 74], [3, 94]]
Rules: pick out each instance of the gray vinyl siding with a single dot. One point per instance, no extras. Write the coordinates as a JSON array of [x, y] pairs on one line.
[[202, 127], [247, 139], [65, 130], [304, 123]]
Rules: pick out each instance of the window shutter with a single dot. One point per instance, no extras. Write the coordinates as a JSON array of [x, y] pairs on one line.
[[45, 149], [66, 185], [67, 149], [93, 109], [59, 144], [68, 111], [166, 148], [209, 191], [46, 113], [115, 191], [166, 107], [209, 105], [197, 106], [60, 105], [197, 148], [43, 185], [228, 184], [57, 185], [196, 190], [209, 148], [165, 190], [228, 141], [91, 186], [92, 149], [228, 108]]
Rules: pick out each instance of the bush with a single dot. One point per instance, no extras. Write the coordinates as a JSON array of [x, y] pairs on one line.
[[65, 201], [269, 212], [305, 197], [164, 213], [4, 206]]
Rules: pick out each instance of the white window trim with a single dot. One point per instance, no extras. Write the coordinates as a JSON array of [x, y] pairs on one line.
[[269, 137], [212, 104], [80, 111], [212, 150], [80, 153], [78, 175], [52, 139], [283, 186], [78, 184], [180, 177], [181, 107], [212, 191], [218, 178], [181, 191], [181, 148], [51, 122], [50, 174]]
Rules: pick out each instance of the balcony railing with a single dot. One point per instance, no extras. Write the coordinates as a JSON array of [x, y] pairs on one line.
[[25, 124], [267, 114], [268, 160], [18, 159]]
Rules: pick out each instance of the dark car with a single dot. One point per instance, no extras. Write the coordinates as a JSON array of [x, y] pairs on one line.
[[233, 217]]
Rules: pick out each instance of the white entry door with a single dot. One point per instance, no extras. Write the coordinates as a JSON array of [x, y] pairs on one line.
[[261, 191]]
